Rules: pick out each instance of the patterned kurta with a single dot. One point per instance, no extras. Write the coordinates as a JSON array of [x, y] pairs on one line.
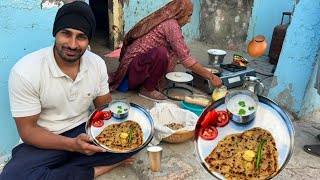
[[167, 34]]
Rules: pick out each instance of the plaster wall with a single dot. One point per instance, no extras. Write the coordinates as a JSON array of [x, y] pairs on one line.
[[225, 23], [311, 105], [25, 26], [296, 62], [266, 15], [135, 10]]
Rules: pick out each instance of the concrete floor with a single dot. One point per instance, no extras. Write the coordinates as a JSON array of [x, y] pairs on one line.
[[179, 160]]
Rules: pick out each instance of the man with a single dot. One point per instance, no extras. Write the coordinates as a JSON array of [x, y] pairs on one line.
[[50, 94]]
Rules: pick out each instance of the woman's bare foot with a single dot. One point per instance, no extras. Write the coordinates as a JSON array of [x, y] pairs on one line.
[[104, 169]]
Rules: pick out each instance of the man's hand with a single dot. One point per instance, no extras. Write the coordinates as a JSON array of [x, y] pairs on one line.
[[83, 144]]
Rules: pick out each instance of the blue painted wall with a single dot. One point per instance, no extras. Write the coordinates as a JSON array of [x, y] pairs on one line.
[[135, 11], [311, 103], [266, 15], [24, 28], [297, 59]]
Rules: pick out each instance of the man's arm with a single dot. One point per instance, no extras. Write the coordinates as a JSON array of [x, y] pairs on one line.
[[31, 133], [102, 100]]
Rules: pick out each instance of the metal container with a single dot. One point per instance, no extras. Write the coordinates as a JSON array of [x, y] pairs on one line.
[[216, 56], [136, 113], [269, 116], [119, 108], [244, 101], [253, 84]]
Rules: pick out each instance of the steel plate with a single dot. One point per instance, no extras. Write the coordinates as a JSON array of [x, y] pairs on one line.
[[269, 116], [179, 77], [136, 113]]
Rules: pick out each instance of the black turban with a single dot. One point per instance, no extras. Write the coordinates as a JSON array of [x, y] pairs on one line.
[[76, 15]]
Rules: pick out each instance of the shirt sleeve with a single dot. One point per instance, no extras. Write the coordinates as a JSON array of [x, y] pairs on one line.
[[104, 85], [176, 41], [24, 99]]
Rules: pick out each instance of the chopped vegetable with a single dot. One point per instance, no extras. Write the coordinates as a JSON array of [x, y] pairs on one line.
[[125, 109], [208, 133], [119, 107], [210, 118], [251, 108], [223, 118], [242, 103], [259, 153], [97, 123], [130, 134], [119, 112], [242, 112]]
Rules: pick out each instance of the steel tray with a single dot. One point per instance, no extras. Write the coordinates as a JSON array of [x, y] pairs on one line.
[[136, 113], [269, 116]]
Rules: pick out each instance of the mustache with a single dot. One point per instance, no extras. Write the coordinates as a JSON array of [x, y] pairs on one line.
[[71, 49]]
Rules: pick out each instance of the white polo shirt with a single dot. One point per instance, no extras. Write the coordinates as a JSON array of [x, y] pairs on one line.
[[37, 85]]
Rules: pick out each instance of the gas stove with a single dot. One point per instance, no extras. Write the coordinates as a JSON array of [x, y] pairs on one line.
[[231, 76]]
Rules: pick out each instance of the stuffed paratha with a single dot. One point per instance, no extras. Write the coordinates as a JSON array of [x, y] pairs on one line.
[[235, 156], [124, 136]]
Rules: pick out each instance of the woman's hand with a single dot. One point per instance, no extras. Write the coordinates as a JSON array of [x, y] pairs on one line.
[[83, 144], [215, 80]]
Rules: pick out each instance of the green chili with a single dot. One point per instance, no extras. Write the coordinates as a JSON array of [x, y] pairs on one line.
[[130, 134], [259, 153]]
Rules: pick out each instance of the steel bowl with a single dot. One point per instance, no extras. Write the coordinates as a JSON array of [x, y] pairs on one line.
[[119, 108], [216, 56], [242, 105]]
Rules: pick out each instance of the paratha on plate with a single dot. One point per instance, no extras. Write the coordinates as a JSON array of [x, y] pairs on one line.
[[124, 136], [235, 156]]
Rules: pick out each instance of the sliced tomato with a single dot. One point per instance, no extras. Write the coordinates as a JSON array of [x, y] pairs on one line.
[[208, 133], [99, 115], [106, 115], [97, 123], [223, 118], [210, 118]]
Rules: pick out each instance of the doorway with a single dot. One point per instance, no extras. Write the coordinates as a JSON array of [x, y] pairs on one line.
[[100, 11]]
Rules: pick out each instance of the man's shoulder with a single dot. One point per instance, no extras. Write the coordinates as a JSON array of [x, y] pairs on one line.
[[32, 62]]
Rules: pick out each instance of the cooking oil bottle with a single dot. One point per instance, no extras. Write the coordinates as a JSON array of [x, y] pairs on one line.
[[219, 93]]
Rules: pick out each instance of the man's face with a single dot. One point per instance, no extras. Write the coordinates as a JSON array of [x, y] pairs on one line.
[[70, 45]]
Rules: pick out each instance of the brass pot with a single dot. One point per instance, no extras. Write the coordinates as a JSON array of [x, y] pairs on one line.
[[257, 46]]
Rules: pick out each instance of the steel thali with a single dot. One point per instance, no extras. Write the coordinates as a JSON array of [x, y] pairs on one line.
[[136, 113], [269, 116]]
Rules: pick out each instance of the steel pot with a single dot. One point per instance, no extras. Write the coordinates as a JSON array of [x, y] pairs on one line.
[[216, 56], [242, 105], [119, 108]]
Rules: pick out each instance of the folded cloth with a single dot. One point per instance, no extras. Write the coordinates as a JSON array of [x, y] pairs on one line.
[[166, 113], [113, 54]]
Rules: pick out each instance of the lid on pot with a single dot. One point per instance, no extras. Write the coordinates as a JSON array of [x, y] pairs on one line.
[[217, 52]]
